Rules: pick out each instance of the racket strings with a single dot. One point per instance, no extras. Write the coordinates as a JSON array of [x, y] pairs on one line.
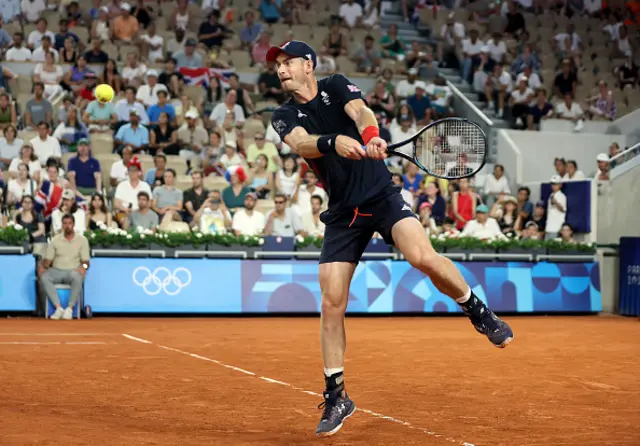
[[451, 148]]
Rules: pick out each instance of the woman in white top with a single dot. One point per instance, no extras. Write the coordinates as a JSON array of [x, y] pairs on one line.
[[23, 185], [288, 178], [68, 206], [100, 26], [231, 157], [573, 174], [180, 16], [10, 145], [50, 74], [371, 14], [28, 157]]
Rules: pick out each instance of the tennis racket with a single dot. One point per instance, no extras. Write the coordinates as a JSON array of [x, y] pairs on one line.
[[450, 148]]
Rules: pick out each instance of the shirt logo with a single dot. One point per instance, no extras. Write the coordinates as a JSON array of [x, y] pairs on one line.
[[325, 98], [301, 115], [353, 89], [279, 126], [406, 207]]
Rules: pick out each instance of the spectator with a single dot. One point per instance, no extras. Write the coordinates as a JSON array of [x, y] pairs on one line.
[[602, 174], [440, 95], [541, 110], [167, 200], [530, 232], [412, 180], [68, 206], [471, 49], [111, 77], [83, 171], [428, 223], [10, 145], [100, 116], [335, 43], [184, 107], [180, 17], [50, 74], [188, 57], [20, 186], [192, 138], [260, 179], [407, 87], [497, 48], [520, 102], [152, 44], [133, 134], [119, 169], [195, 196], [234, 194], [603, 105], [406, 195], [212, 154], [243, 98], [525, 207], [178, 43], [526, 58], [351, 14], [269, 85], [288, 178], [229, 106], [163, 138], [463, 205], [66, 262], [148, 93], [326, 64], [381, 101], [98, 215], [95, 55], [134, 71], [32, 10], [125, 27], [270, 10], [433, 196], [246, 220], [566, 233], [460, 169], [532, 79], [614, 149], [231, 157], [70, 132], [37, 109], [451, 34], [266, 148], [212, 33], [126, 195], [162, 105], [312, 225], [393, 47], [35, 37], [515, 21], [212, 216], [573, 174], [499, 87], [31, 220], [63, 34], [556, 209], [505, 211], [496, 184], [44, 145], [420, 104], [87, 90], [301, 200], [124, 108], [623, 47], [566, 81], [251, 30], [539, 216], [626, 74], [144, 217], [367, 57], [560, 165], [18, 51], [155, 175], [570, 111], [482, 226], [260, 47], [100, 26], [68, 53], [28, 157], [282, 221]]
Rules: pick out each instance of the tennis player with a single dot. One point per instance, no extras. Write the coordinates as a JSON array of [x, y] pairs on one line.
[[327, 122]]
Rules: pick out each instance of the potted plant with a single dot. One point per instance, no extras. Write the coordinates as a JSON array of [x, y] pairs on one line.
[[520, 246], [561, 247], [309, 243], [14, 235], [466, 245]]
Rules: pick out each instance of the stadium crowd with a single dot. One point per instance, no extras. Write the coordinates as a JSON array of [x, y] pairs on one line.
[[173, 155]]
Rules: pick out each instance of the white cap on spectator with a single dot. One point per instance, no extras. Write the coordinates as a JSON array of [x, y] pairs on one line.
[[125, 7], [524, 78], [602, 157], [555, 179], [104, 9], [484, 49], [191, 115], [421, 84], [413, 71], [152, 73], [231, 144]]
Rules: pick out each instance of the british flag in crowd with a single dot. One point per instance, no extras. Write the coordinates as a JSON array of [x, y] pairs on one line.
[[49, 197], [202, 76]]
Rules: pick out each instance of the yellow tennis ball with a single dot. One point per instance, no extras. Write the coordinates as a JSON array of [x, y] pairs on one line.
[[104, 93]]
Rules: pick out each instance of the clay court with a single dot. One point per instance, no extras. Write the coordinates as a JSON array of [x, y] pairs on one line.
[[416, 381]]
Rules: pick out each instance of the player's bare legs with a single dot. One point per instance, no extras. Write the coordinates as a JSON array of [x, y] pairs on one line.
[[410, 238], [335, 278]]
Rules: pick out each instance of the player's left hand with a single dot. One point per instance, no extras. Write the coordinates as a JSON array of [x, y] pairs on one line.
[[376, 148]]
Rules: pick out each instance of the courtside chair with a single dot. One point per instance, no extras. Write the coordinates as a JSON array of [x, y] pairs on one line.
[[64, 291]]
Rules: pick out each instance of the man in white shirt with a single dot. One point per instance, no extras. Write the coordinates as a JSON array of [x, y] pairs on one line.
[[126, 196], [44, 145], [483, 226], [311, 224], [533, 80], [570, 111], [219, 112], [302, 197], [35, 37], [148, 93], [125, 106], [471, 49], [496, 184], [282, 221], [451, 33], [405, 130], [39, 53], [246, 220], [351, 13], [498, 84], [18, 52], [520, 101], [407, 87], [32, 9], [120, 169], [134, 71], [556, 209], [152, 44], [440, 95], [497, 48], [602, 174]]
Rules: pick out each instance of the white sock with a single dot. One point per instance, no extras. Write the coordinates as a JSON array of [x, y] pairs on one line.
[[464, 298], [333, 371]]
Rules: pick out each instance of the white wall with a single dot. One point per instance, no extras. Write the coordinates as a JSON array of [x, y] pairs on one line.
[[562, 125], [618, 204], [537, 150], [627, 125]]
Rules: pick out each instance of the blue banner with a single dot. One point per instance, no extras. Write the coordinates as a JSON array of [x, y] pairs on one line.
[[17, 283], [629, 276]]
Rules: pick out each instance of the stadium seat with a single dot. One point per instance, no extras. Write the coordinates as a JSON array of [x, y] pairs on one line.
[[177, 163], [183, 182], [214, 182], [264, 206]]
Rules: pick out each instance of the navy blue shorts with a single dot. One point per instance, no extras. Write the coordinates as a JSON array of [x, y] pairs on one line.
[[346, 238]]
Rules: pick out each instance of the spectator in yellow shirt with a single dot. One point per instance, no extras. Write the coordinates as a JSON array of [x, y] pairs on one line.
[[268, 149]]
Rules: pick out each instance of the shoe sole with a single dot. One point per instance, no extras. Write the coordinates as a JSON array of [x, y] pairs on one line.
[[505, 342], [338, 427]]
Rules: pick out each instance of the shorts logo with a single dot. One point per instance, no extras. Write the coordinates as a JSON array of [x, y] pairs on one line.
[[353, 89]]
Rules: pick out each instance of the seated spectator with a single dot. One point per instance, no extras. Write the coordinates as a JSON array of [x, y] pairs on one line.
[[100, 116], [614, 149], [246, 220], [270, 10], [44, 145], [570, 45], [433, 195], [70, 132], [282, 221], [125, 27], [96, 55], [192, 138], [556, 209], [326, 64], [471, 49], [602, 174], [83, 171], [570, 111], [573, 174], [68, 52], [29, 158], [231, 157], [185, 106], [260, 179], [351, 14], [120, 169], [98, 215], [18, 51], [10, 145], [626, 74], [505, 211], [427, 221], [497, 48], [35, 36], [66, 262], [526, 57], [381, 101], [498, 87], [406, 195], [288, 178], [162, 105], [336, 41], [541, 110], [440, 95], [250, 31], [148, 93], [211, 33], [460, 169], [301, 200], [125, 106], [393, 47], [213, 217], [243, 98], [212, 153], [234, 194], [520, 102], [533, 80], [40, 53], [167, 200], [266, 148], [367, 57], [68, 206], [269, 85], [177, 43], [143, 217], [495, 185], [260, 47], [20, 186], [155, 175], [420, 104], [8, 115], [560, 165], [463, 204], [566, 81], [412, 180], [133, 134], [195, 196], [603, 105], [229, 106], [152, 44], [87, 90], [540, 217], [188, 57], [134, 71], [451, 34], [406, 87], [623, 47], [525, 207], [180, 17], [566, 233], [111, 76], [312, 226], [31, 220], [530, 232], [483, 226], [515, 20], [163, 138], [32, 11], [126, 195], [100, 30], [50, 75]]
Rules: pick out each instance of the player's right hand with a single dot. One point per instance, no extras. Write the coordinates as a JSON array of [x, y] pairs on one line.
[[348, 147]]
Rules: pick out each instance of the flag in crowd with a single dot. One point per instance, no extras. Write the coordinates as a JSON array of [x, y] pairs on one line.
[[202, 76]]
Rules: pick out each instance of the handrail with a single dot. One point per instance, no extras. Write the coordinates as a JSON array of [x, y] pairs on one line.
[[134, 252], [470, 104], [624, 153]]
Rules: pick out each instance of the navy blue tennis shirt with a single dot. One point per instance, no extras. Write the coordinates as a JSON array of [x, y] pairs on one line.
[[349, 183]]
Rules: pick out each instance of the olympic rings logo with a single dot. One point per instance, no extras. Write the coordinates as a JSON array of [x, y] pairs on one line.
[[161, 279]]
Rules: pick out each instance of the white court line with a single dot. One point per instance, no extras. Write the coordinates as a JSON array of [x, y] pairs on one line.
[[57, 334], [308, 392], [49, 343]]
